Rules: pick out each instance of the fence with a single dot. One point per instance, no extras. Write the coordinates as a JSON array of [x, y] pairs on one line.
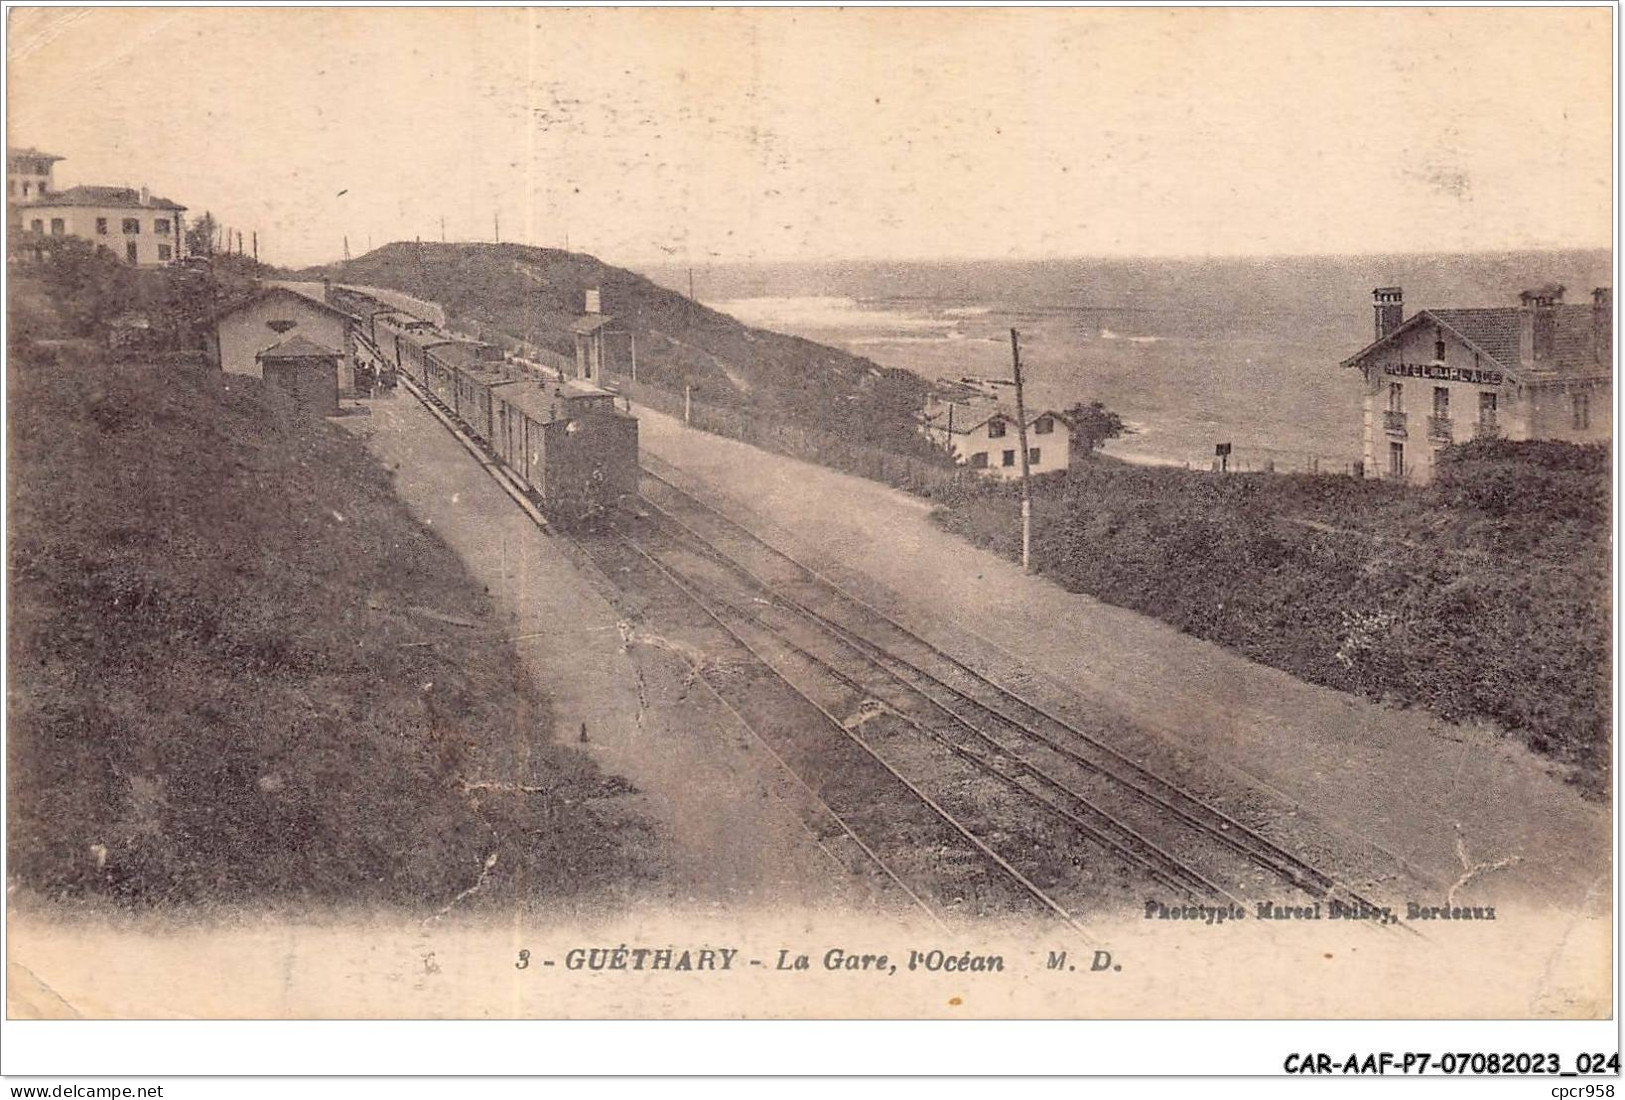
[[912, 475]]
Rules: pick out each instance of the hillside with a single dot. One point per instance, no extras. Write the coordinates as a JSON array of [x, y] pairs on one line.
[[242, 674], [537, 293]]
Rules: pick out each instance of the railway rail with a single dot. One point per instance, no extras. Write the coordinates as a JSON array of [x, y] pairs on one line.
[[1189, 832], [903, 836], [962, 794]]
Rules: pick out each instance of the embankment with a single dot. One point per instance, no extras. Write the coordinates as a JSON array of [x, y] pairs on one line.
[[1482, 596], [242, 675]]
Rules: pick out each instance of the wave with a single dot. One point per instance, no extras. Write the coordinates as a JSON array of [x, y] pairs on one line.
[[1108, 334], [823, 313], [955, 337]]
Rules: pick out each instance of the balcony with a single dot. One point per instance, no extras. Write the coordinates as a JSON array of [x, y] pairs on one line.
[[1394, 422], [1489, 427], [1441, 430]]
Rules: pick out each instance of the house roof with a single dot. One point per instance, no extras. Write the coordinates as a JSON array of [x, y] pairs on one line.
[[31, 152], [266, 292], [1497, 332], [86, 195], [297, 347], [970, 415], [589, 324]]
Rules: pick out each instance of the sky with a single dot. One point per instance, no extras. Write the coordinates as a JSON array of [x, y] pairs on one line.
[[693, 135]]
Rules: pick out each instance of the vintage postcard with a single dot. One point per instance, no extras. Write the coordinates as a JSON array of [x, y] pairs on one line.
[[595, 513]]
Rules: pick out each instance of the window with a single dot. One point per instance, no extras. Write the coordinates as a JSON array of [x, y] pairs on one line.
[[1009, 458], [1441, 401], [995, 429], [37, 226], [163, 252], [1396, 397], [1396, 460], [160, 226], [1486, 404], [132, 225], [1582, 411], [58, 227], [1032, 456], [130, 253], [1438, 349], [25, 189], [979, 460], [101, 227], [1044, 425]]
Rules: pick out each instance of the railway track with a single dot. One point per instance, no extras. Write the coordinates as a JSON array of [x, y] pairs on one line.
[[907, 833], [957, 793], [870, 817], [1178, 838]]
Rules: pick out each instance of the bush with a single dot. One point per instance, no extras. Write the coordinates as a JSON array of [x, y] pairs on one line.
[[220, 693], [1484, 595]]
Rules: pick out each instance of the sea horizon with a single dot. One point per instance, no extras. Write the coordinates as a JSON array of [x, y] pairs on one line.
[[1190, 352]]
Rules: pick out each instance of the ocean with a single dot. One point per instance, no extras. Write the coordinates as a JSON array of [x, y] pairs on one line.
[[1191, 353]]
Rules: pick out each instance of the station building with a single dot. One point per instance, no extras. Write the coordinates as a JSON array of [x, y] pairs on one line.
[[273, 315], [1541, 369]]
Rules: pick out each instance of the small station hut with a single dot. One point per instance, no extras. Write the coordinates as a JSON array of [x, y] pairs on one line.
[[305, 370]]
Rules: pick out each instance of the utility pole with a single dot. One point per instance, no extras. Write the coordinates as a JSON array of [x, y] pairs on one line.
[[634, 358], [496, 227], [346, 248], [256, 246], [1021, 435], [688, 394], [442, 229]]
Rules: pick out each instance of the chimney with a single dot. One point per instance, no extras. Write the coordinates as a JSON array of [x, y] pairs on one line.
[[1602, 325], [594, 305], [146, 196], [1389, 303], [1538, 338]]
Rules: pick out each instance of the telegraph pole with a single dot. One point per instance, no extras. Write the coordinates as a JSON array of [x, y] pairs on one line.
[[1021, 436]]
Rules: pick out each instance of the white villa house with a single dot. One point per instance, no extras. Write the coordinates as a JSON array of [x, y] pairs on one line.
[[982, 435]]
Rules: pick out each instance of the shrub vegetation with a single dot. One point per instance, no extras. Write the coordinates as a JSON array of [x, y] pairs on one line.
[[1484, 595], [224, 689]]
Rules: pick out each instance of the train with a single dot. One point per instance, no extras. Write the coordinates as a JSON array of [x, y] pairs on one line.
[[565, 440]]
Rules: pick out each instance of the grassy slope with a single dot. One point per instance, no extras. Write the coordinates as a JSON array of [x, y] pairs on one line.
[[1485, 595], [221, 691], [536, 293]]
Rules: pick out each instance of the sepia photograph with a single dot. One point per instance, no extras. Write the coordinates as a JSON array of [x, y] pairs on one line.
[[594, 513]]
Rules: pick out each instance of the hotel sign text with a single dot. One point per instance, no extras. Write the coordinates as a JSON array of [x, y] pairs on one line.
[[1442, 373]]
